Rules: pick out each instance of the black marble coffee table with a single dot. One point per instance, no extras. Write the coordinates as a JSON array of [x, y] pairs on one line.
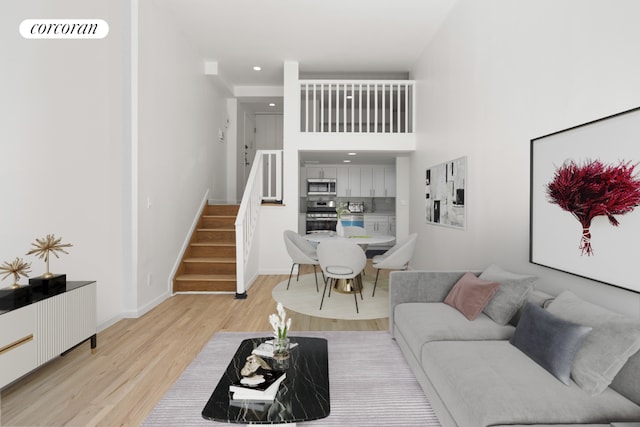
[[303, 395]]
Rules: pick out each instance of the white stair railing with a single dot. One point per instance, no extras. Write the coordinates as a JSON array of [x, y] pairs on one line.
[[357, 106], [272, 175], [264, 183]]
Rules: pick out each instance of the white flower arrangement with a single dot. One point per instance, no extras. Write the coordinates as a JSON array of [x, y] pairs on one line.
[[280, 323]]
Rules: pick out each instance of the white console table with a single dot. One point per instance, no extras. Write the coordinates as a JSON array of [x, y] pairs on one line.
[[45, 327]]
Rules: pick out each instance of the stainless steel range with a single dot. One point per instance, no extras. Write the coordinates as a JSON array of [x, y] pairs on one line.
[[321, 216]]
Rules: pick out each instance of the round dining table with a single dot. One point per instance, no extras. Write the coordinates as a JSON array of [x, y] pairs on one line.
[[348, 286], [368, 240]]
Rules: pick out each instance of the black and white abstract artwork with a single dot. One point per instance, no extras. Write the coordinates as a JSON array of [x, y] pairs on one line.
[[445, 193]]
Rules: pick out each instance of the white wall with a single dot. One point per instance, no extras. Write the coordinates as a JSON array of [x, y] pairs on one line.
[[274, 220], [63, 139], [231, 141], [181, 159], [498, 74]]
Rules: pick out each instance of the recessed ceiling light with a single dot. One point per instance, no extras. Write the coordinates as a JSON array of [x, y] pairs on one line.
[[349, 97], [257, 68], [271, 104], [346, 161], [351, 154]]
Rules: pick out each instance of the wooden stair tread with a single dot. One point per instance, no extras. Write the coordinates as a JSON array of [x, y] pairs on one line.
[[213, 244], [209, 265], [206, 277], [211, 260]]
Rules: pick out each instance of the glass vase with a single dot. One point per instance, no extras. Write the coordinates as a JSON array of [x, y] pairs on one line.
[[281, 348]]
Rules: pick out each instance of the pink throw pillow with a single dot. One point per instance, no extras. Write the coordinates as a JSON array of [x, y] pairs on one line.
[[470, 295]]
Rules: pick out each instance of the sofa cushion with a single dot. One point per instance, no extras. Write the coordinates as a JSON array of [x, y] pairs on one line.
[[548, 340], [626, 382], [488, 383], [614, 339], [470, 295], [512, 294], [420, 323]]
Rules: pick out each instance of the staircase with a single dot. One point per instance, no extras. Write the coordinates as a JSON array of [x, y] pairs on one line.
[[209, 263]]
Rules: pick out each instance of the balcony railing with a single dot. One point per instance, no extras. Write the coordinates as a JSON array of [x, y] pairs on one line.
[[357, 106]]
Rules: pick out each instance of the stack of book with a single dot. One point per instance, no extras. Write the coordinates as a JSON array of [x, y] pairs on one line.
[[266, 390]]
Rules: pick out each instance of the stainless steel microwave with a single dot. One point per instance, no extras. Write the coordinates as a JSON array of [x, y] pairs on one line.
[[321, 187]]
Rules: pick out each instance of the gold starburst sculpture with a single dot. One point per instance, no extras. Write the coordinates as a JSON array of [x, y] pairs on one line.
[[16, 268], [42, 248]]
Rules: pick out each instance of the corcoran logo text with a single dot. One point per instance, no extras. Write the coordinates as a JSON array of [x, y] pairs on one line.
[[64, 29]]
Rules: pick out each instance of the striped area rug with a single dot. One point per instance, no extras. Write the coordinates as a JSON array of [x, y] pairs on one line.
[[370, 383]]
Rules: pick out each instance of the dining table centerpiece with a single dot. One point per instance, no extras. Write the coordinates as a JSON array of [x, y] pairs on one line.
[[341, 209], [281, 326]]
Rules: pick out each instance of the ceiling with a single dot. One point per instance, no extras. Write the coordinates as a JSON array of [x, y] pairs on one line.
[[332, 38]]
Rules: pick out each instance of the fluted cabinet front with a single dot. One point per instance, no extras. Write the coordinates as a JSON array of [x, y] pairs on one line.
[[33, 334], [64, 321]]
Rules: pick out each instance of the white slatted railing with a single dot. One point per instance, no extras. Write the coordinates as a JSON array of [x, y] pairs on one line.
[[264, 184], [272, 175], [357, 106]]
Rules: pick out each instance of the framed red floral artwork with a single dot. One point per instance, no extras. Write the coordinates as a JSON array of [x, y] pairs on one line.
[[585, 200]]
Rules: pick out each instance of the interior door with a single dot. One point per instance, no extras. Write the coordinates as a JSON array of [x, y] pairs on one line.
[[249, 146]]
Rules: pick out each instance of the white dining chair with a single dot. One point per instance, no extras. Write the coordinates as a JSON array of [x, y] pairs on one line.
[[301, 252], [396, 258], [341, 259]]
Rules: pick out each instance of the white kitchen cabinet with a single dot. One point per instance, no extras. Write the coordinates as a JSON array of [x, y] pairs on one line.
[[366, 181], [321, 172], [378, 181], [392, 225], [348, 181], [389, 181], [376, 224]]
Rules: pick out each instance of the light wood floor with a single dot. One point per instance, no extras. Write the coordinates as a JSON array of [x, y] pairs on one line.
[[137, 360]]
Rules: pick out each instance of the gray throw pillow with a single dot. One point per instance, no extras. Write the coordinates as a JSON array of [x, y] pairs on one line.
[[614, 339], [510, 297], [550, 341]]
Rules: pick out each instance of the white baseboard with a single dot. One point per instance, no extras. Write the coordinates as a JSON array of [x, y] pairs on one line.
[[112, 321], [152, 304], [134, 314]]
